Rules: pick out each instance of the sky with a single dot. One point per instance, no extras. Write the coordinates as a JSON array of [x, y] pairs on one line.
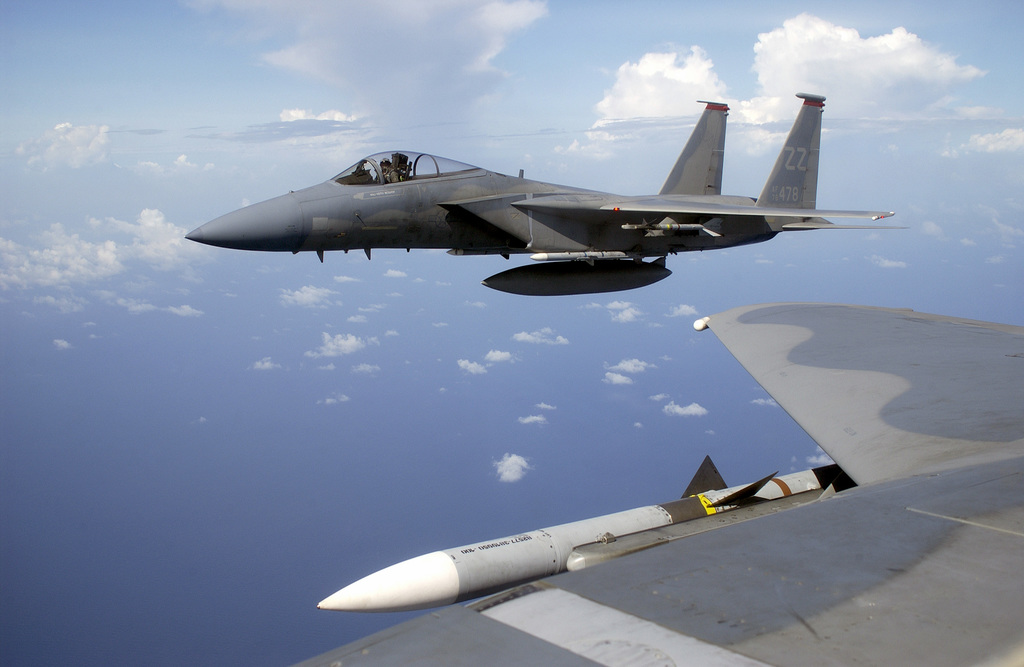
[[197, 445]]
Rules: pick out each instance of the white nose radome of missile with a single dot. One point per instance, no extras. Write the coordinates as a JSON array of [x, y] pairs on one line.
[[424, 581]]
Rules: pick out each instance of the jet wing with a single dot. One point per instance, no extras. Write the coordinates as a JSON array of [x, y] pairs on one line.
[[669, 205], [920, 564]]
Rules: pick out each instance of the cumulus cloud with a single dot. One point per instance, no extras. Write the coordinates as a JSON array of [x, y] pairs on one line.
[[624, 311], [264, 364], [545, 406], [346, 279], [61, 344], [367, 369], [471, 367], [184, 311], [497, 356], [895, 74], [333, 399], [67, 145], [658, 397], [884, 263], [395, 273], [1007, 141], [544, 336], [819, 458], [897, 71], [308, 296], [64, 259], [617, 378], [682, 310], [660, 84], [691, 410], [337, 345], [769, 402], [511, 467], [533, 419], [630, 366]]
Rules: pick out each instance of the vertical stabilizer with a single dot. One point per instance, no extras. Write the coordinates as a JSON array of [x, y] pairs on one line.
[[794, 179], [698, 171]]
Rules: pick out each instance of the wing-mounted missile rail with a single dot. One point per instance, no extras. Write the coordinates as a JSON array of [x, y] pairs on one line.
[[482, 568]]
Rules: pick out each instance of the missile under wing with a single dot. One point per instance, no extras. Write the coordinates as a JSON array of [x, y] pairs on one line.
[[919, 564]]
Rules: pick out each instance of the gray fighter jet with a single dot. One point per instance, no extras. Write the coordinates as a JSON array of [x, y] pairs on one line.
[[584, 241]]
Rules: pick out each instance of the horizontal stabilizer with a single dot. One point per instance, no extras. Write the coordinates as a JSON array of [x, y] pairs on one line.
[[668, 205]]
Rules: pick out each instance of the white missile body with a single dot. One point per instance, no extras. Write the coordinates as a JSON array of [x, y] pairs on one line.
[[453, 575], [443, 577]]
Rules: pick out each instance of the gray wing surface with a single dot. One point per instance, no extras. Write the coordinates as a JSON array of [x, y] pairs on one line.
[[921, 564]]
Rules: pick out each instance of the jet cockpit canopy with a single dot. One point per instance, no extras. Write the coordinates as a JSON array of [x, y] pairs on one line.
[[398, 166]]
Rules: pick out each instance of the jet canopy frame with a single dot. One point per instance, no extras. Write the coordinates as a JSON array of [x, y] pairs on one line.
[[399, 166]]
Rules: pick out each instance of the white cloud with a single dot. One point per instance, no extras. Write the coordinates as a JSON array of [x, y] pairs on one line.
[[395, 273], [333, 399], [290, 115], [887, 74], [471, 367], [64, 259], [878, 260], [533, 419], [682, 310], [895, 74], [691, 410], [770, 402], [658, 397], [545, 406], [264, 364], [617, 378], [356, 319], [819, 458], [661, 84], [346, 279], [433, 89], [61, 344], [390, 332], [335, 346], [624, 311], [511, 467], [367, 369], [630, 366], [67, 145], [308, 296], [1009, 140], [545, 336], [135, 306], [497, 356], [184, 311]]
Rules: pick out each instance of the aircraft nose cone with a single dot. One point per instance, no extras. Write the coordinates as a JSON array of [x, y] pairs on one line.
[[275, 224]]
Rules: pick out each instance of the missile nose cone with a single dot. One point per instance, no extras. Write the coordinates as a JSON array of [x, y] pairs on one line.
[[423, 582], [275, 224]]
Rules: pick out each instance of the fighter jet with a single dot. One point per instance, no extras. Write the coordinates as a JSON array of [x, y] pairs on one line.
[[584, 241]]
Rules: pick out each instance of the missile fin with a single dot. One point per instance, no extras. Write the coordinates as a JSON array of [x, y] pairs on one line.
[[707, 478], [746, 492]]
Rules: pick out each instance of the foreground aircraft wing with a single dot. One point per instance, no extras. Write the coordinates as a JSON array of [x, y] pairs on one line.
[[920, 564]]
